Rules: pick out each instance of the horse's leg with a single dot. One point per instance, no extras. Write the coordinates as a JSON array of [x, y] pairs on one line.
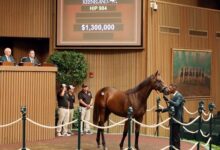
[[124, 135], [98, 137], [103, 139], [137, 131], [103, 118]]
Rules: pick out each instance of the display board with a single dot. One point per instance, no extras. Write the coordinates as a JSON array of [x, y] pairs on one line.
[[99, 23], [192, 70]]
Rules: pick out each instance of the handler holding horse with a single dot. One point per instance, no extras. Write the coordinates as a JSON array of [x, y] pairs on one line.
[[110, 100]]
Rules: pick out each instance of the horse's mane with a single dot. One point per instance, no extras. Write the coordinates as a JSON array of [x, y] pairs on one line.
[[139, 86]]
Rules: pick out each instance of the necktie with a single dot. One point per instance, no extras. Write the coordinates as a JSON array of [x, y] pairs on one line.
[[8, 59]]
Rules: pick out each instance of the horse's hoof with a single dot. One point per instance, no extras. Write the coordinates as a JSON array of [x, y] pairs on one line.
[[121, 146], [98, 146]]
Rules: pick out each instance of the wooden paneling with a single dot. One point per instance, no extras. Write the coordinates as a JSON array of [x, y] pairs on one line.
[[159, 54], [116, 68], [186, 2], [214, 24], [26, 18], [33, 87], [124, 69]]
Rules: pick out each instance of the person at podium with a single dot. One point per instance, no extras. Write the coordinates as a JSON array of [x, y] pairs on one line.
[[7, 57], [31, 58]]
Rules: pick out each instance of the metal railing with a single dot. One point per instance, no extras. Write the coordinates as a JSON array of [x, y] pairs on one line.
[[199, 133]]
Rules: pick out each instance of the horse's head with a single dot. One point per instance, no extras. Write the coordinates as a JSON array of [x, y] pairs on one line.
[[158, 84]]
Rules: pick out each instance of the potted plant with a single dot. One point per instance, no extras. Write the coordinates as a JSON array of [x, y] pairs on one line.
[[72, 67]]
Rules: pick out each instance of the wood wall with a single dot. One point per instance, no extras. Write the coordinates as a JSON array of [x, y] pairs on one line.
[[186, 2], [160, 43], [33, 87], [121, 69], [26, 18], [124, 69]]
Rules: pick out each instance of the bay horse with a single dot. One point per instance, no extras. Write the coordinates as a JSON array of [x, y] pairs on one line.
[[110, 100]]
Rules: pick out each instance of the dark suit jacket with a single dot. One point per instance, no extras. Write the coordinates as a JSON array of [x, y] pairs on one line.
[[177, 102], [27, 59], [3, 59]]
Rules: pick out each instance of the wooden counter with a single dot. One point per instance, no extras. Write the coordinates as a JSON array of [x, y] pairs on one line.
[[33, 87]]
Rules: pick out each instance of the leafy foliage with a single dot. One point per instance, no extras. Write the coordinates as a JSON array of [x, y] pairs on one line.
[[72, 66], [75, 116]]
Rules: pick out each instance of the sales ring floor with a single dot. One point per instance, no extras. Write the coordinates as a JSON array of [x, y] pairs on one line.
[[88, 143]]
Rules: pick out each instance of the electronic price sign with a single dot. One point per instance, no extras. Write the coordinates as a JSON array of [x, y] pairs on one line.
[[99, 23]]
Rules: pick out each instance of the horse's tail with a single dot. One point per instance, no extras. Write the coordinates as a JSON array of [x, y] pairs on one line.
[[95, 114], [97, 105]]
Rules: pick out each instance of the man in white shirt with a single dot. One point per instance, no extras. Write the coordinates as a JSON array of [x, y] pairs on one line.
[[7, 57]]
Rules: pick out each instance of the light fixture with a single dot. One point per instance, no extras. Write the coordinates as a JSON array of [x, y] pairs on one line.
[[153, 5]]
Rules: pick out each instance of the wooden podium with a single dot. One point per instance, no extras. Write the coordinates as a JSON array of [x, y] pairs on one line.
[[6, 63], [33, 87], [26, 64]]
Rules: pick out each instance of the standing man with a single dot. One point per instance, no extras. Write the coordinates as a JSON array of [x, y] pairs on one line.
[[31, 58], [85, 102], [7, 57], [63, 111], [71, 100], [177, 102]]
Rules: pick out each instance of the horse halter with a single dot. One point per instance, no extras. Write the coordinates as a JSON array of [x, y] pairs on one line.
[[162, 89], [165, 90]]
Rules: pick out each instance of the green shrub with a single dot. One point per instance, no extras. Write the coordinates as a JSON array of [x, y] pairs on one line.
[[75, 116], [72, 67]]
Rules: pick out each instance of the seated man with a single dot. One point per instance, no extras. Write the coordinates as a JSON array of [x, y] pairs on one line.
[[31, 58], [7, 57]]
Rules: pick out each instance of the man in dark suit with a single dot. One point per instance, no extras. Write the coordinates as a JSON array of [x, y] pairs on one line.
[[31, 58], [7, 57], [177, 102]]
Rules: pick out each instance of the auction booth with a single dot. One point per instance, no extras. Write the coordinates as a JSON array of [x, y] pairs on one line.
[[33, 87]]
